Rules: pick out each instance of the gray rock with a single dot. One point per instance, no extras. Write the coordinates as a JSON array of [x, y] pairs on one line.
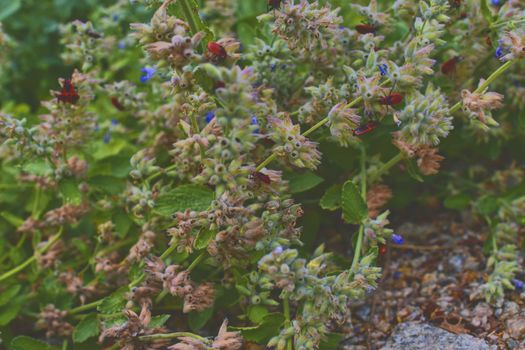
[[421, 336]]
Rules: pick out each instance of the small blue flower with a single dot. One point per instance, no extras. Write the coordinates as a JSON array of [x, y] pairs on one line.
[[273, 67], [114, 122], [499, 51], [284, 66], [115, 17], [397, 275], [495, 2], [278, 250], [255, 122], [397, 239], [517, 283], [148, 73], [209, 116], [122, 44], [383, 68], [107, 137]]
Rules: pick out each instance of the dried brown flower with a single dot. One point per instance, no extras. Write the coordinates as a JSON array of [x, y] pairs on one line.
[[51, 320], [376, 197], [429, 160]]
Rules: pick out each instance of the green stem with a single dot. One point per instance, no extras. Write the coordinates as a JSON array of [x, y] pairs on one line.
[[360, 234], [28, 262], [197, 261], [159, 173], [172, 336], [84, 307], [188, 14], [287, 319], [386, 167]]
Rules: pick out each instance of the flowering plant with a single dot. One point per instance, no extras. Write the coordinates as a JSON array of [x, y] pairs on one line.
[[161, 184]]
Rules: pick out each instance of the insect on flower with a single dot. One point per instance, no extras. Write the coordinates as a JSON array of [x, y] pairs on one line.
[[274, 4], [116, 103], [382, 249], [260, 177], [217, 50], [391, 99], [365, 28], [68, 94], [450, 65], [365, 129]]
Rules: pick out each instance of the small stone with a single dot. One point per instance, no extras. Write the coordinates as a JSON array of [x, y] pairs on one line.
[[421, 336], [516, 327]]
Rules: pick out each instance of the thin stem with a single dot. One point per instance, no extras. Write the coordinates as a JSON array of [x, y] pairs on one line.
[[84, 307], [197, 261], [287, 319], [360, 234], [30, 260], [172, 336], [386, 167]]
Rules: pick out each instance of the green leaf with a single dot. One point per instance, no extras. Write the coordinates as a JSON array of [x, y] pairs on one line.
[[9, 311], [413, 170], [331, 342], [158, 321], [7, 295], [12, 219], [457, 202], [203, 238], [487, 205], [301, 182], [269, 327], [354, 207], [104, 150], [122, 223], [114, 302], [485, 10], [87, 328], [331, 200], [193, 197], [256, 313], [9, 7], [197, 320], [27, 343], [70, 192]]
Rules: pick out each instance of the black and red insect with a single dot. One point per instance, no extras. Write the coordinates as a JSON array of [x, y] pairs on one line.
[[382, 249], [116, 103], [68, 94], [274, 4], [391, 99], [365, 28], [366, 128], [260, 177], [217, 50], [449, 66]]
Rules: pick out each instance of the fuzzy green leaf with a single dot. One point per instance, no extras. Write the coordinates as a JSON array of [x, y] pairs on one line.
[[27, 343], [184, 197], [331, 200], [301, 182], [158, 321], [114, 302], [269, 327], [86, 328], [354, 207], [7, 295], [70, 192]]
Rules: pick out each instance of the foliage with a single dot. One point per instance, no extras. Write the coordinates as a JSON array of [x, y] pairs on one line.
[[159, 187]]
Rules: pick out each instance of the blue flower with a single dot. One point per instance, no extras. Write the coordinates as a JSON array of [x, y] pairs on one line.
[[495, 2], [255, 122], [278, 250], [115, 17], [114, 122], [148, 73], [209, 116], [397, 239], [122, 44], [273, 67], [107, 137], [517, 283], [499, 51], [383, 68]]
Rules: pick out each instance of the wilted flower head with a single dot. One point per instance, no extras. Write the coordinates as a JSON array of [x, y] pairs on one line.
[[479, 104], [514, 42], [342, 122]]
